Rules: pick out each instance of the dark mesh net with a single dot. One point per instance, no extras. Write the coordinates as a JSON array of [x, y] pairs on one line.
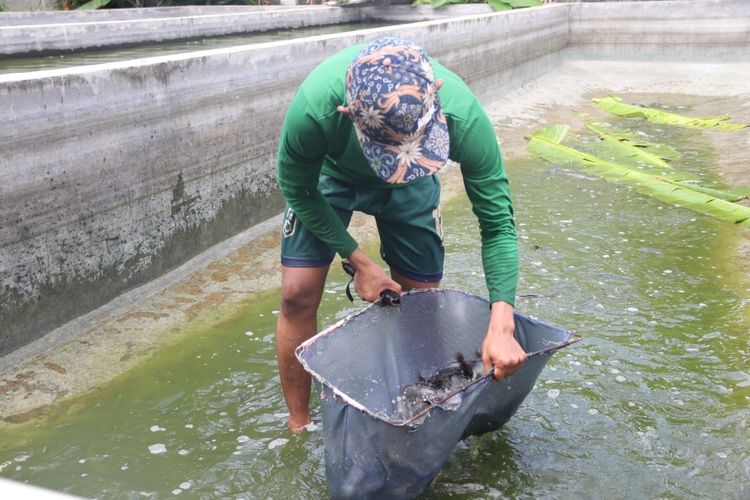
[[363, 364]]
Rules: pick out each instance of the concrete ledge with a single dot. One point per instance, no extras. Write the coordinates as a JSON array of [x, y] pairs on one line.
[[50, 16], [12, 489], [56, 33]]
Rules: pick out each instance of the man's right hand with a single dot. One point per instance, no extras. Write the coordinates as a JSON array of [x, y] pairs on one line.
[[370, 280]]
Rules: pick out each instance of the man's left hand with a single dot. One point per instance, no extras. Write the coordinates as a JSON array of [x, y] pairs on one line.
[[500, 348]]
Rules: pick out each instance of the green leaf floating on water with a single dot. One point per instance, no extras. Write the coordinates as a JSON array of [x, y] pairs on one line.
[[620, 144], [731, 194], [546, 143], [615, 106], [623, 143]]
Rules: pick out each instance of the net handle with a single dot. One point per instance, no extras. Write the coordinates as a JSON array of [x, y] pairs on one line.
[[572, 339]]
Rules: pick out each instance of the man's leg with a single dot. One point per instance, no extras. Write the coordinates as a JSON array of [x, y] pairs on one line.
[[304, 265], [410, 284], [301, 291]]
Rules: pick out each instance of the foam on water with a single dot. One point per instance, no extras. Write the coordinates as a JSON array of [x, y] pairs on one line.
[[157, 448], [277, 443]]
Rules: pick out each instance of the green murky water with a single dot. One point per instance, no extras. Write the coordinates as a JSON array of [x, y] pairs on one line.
[[654, 403], [82, 58]]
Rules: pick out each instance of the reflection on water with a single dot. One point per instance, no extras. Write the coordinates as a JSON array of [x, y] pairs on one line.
[[653, 403], [83, 58]]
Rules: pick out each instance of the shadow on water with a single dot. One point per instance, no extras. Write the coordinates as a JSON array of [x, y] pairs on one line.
[[654, 403]]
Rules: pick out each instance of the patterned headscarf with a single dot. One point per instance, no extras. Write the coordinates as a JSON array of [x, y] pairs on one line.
[[390, 89]]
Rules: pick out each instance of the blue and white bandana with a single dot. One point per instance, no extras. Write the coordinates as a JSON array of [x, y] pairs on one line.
[[391, 94]]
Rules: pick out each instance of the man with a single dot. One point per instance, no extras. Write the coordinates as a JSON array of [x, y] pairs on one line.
[[366, 131]]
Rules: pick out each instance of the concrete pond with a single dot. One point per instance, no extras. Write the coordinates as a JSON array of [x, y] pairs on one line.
[[140, 261]]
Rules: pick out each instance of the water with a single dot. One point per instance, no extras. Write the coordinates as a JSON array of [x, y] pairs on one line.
[[653, 403], [83, 58]]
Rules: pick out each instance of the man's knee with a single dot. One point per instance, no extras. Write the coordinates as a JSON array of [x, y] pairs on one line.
[[299, 298]]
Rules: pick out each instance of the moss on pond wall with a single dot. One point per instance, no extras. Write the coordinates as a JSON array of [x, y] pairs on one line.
[[64, 296]]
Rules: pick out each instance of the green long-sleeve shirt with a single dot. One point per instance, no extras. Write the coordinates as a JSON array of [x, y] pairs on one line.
[[316, 137]]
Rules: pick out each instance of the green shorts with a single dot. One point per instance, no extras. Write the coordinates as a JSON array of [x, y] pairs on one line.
[[408, 220]]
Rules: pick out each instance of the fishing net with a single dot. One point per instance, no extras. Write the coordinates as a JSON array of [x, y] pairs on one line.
[[379, 441]]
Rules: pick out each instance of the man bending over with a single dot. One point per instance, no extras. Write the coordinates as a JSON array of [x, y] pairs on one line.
[[367, 131]]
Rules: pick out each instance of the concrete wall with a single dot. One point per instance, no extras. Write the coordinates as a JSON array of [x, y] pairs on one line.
[[707, 29], [28, 5], [414, 13], [30, 33], [55, 17], [111, 174]]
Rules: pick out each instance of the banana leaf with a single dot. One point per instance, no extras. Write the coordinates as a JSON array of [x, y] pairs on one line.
[[624, 143], [731, 194], [546, 143], [615, 106], [499, 5], [631, 147], [94, 4], [517, 4]]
